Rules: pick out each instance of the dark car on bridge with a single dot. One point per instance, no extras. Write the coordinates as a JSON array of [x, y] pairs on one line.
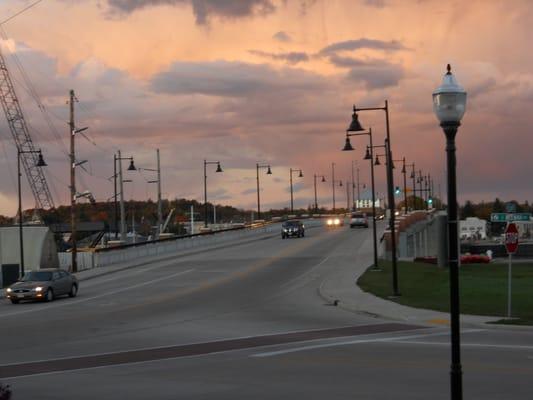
[[292, 228], [43, 284]]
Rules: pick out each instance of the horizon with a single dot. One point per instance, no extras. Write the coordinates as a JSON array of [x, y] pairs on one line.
[[282, 94]]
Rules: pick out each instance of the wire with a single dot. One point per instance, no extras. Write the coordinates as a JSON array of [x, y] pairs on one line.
[[20, 12]]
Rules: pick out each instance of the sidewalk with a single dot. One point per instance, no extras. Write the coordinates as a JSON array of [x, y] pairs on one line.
[[341, 286]]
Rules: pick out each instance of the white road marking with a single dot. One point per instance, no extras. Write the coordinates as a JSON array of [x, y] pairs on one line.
[[85, 299], [495, 346], [358, 341]]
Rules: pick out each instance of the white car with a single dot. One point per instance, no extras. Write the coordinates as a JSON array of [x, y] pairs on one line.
[[333, 222]]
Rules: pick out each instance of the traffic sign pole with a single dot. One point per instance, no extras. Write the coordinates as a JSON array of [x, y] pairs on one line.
[[509, 285], [511, 245]]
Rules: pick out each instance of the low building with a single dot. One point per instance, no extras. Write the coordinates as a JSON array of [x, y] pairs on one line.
[[473, 228], [39, 249]]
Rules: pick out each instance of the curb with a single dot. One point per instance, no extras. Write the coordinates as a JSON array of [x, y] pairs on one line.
[[347, 306]]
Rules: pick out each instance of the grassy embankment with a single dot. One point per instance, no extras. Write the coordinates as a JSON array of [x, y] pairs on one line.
[[483, 288]]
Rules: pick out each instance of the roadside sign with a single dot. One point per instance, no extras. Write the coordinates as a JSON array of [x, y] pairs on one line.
[[511, 238], [510, 207], [511, 244], [505, 217]]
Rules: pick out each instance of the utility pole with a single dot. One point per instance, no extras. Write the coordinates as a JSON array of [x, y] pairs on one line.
[[115, 217], [333, 184], [159, 205], [348, 196], [74, 252], [353, 188], [122, 212]]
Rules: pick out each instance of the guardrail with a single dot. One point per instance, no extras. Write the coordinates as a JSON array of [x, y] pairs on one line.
[[124, 253]]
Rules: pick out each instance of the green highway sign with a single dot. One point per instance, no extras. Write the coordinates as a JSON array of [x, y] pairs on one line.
[[504, 217]]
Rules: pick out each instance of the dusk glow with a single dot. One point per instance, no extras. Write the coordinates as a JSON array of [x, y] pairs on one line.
[[268, 81]]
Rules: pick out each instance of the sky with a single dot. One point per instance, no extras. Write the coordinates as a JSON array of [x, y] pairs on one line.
[[271, 82]]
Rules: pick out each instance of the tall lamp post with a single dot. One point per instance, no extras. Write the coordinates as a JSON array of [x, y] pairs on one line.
[[354, 205], [269, 172], [300, 175], [39, 163], [449, 105], [121, 180], [390, 186], [219, 169], [314, 181], [413, 176], [159, 203], [354, 127]]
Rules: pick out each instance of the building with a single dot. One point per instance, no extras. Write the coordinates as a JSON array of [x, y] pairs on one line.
[[365, 201], [473, 228], [39, 249]]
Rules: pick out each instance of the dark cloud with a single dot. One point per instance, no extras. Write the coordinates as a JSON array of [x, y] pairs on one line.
[[249, 191], [282, 36], [363, 43], [378, 76], [202, 9], [375, 3], [292, 57], [232, 79], [350, 62]]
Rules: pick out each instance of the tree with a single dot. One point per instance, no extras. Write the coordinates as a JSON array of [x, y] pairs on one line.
[[468, 210]]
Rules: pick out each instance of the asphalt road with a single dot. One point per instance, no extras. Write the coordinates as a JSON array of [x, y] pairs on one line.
[[243, 322]]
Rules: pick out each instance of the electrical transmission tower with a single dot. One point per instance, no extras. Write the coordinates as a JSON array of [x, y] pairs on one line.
[[21, 135]]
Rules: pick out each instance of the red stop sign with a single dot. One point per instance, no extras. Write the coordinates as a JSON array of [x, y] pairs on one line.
[[511, 238]]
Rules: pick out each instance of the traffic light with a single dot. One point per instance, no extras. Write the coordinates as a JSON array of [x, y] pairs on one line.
[[397, 191], [430, 200]]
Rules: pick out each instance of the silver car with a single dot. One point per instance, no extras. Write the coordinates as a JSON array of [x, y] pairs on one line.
[[43, 284]]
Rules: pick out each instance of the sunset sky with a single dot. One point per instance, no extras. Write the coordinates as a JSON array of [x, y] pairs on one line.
[[269, 81]]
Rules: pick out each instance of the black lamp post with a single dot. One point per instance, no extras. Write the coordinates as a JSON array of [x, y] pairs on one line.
[[369, 155], [269, 172], [390, 186], [413, 177], [131, 167], [39, 163], [314, 181], [206, 163], [300, 175], [449, 104]]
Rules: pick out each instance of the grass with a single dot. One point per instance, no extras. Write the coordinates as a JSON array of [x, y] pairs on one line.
[[483, 288]]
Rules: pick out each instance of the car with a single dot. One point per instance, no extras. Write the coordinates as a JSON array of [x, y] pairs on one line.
[[44, 284], [334, 222], [358, 219], [292, 228]]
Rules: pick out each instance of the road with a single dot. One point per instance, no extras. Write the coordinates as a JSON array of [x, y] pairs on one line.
[[244, 322]]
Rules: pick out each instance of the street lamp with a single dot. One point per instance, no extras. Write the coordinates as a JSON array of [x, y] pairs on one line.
[[314, 181], [300, 175], [413, 176], [369, 155], [449, 105], [159, 203], [131, 167], [333, 182], [206, 163], [269, 172], [39, 163], [390, 185]]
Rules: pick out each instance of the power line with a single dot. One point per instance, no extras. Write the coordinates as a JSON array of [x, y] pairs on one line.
[[20, 12]]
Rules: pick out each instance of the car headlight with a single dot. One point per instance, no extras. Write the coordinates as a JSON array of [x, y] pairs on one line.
[[9, 290], [330, 222], [38, 289], [337, 221], [284, 230]]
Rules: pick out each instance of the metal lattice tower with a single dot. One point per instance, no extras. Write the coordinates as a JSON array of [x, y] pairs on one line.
[[21, 135]]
